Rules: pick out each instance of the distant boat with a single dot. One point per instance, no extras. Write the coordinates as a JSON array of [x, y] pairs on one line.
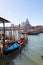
[[33, 33]]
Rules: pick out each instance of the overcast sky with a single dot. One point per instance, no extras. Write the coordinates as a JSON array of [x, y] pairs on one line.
[[17, 11]]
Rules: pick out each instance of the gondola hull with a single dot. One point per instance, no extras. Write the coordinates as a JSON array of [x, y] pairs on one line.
[[14, 49]]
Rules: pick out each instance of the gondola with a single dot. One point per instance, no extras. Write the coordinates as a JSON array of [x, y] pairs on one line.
[[33, 33], [14, 47]]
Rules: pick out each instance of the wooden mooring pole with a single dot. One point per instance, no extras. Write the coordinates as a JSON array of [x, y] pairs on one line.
[[1, 50], [20, 49], [42, 53], [1, 53]]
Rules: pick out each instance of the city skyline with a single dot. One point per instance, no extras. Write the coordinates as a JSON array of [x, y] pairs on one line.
[[17, 11]]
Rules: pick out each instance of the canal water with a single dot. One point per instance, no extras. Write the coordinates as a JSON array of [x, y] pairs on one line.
[[30, 54]]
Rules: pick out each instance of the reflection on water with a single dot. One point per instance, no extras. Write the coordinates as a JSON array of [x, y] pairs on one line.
[[30, 54]]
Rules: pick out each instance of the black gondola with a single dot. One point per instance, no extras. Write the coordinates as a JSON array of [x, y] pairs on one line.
[[14, 47]]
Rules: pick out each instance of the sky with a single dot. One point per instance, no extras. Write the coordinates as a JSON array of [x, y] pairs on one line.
[[17, 11]]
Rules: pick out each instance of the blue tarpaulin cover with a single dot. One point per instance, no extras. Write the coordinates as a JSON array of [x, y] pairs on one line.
[[14, 46]]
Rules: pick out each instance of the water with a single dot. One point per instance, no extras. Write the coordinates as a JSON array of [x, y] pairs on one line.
[[30, 55]]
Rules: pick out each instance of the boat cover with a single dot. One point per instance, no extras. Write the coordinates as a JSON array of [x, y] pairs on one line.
[[14, 46]]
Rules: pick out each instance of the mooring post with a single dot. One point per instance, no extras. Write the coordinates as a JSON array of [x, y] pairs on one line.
[[3, 35], [19, 32], [1, 48], [20, 49], [1, 53], [42, 53]]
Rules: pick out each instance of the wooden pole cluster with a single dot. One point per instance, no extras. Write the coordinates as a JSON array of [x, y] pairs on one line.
[[2, 20]]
